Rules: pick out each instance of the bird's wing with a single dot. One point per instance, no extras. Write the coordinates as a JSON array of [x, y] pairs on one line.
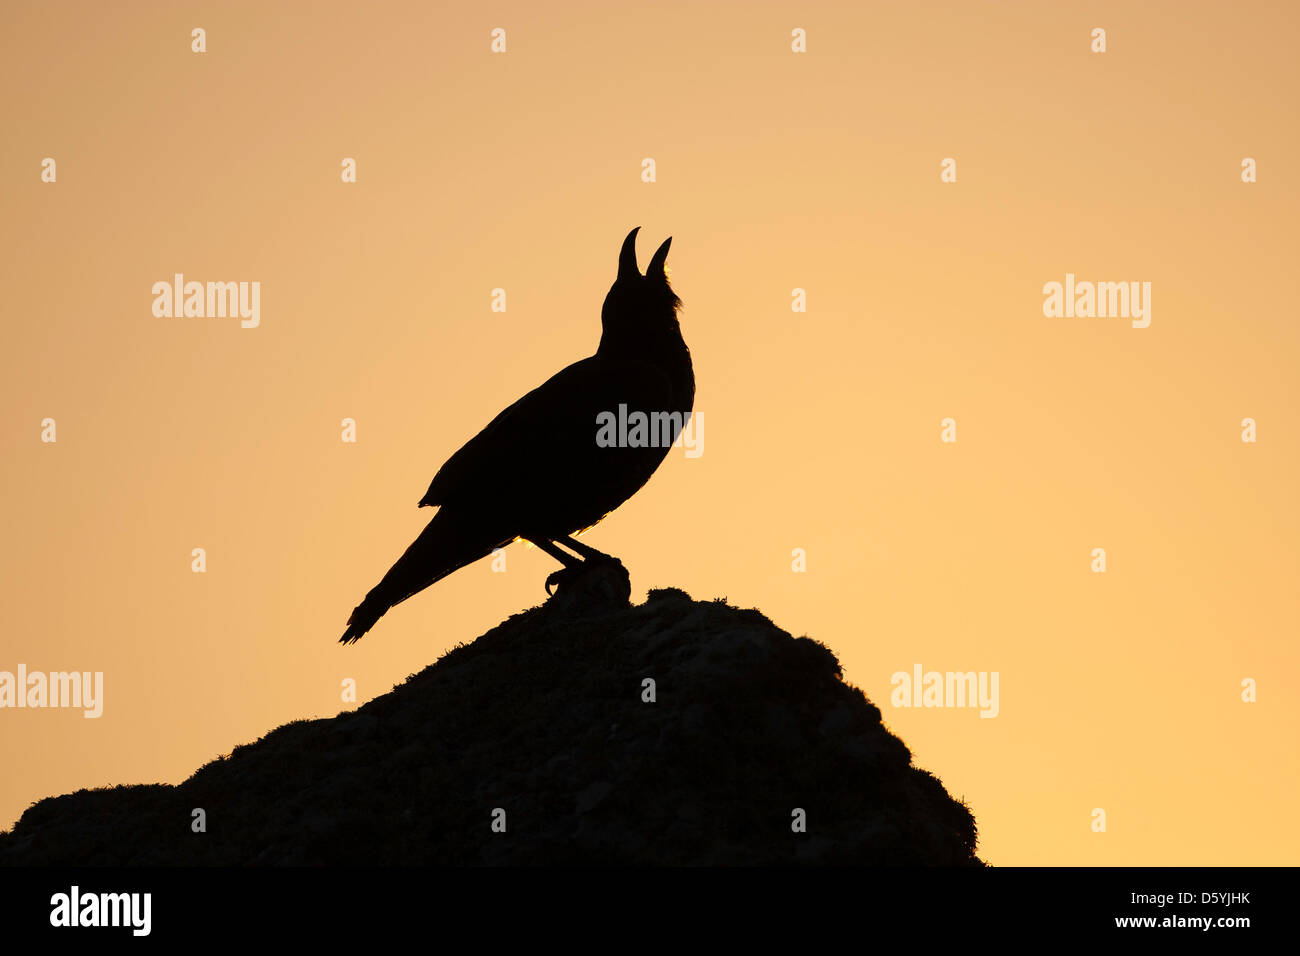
[[554, 423]]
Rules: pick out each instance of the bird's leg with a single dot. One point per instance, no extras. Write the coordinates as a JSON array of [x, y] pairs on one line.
[[566, 559], [603, 579], [571, 564], [587, 551]]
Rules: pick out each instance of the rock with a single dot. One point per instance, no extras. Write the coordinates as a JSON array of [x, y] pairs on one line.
[[543, 719]]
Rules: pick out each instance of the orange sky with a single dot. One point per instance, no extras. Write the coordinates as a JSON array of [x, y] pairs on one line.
[[775, 171]]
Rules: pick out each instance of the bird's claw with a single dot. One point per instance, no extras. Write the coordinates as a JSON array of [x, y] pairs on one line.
[[558, 578]]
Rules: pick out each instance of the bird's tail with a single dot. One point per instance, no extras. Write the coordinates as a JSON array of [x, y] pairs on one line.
[[363, 617], [447, 543]]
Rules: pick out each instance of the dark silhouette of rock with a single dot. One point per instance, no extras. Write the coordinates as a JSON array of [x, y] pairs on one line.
[[544, 717]]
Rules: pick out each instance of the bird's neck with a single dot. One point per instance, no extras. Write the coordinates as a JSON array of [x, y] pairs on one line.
[[662, 346]]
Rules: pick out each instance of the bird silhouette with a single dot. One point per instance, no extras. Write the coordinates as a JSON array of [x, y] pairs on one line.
[[540, 470]]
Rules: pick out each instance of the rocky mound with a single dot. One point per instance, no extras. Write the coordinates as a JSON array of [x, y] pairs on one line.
[[674, 732]]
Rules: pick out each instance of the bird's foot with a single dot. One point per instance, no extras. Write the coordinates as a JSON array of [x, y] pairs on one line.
[[601, 580], [561, 578]]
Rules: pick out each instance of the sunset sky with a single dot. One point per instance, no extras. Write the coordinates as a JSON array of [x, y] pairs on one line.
[[775, 170]]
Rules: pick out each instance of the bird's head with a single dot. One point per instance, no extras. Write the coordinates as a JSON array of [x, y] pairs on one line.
[[639, 304]]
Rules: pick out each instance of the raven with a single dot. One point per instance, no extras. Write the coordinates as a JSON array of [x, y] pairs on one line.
[[537, 471]]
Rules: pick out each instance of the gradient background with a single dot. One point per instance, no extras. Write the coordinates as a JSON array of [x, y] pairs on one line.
[[821, 430]]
